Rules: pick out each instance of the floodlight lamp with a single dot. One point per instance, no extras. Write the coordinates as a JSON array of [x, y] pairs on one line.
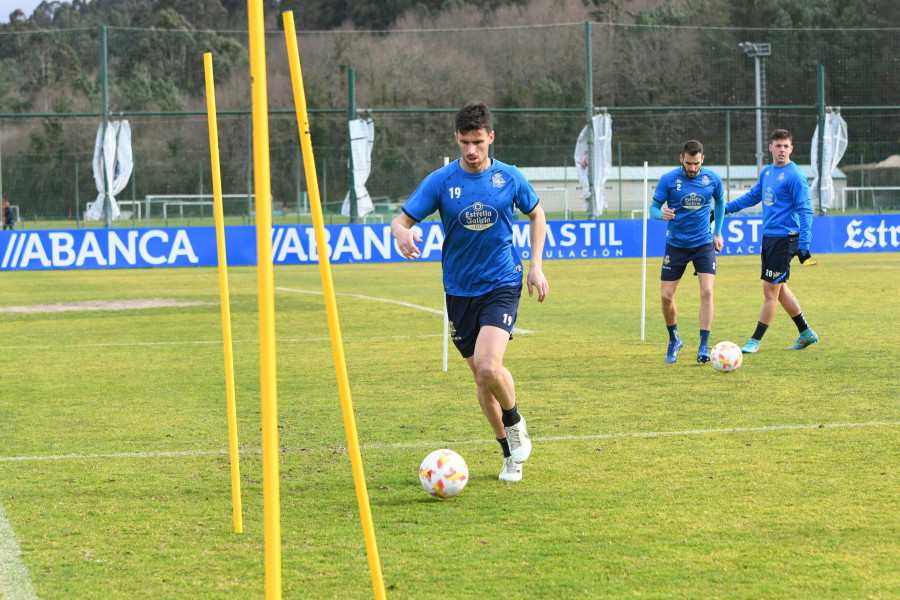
[[756, 50]]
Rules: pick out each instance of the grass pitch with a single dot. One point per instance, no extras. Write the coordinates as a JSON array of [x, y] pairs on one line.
[[647, 480]]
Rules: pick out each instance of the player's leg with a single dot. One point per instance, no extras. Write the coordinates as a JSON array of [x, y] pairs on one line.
[[707, 309], [790, 304], [496, 389], [673, 265], [705, 267], [776, 265], [464, 314], [493, 412], [667, 295], [494, 380]]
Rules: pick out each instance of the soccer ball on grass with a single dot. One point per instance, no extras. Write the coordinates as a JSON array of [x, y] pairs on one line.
[[726, 357], [443, 473]]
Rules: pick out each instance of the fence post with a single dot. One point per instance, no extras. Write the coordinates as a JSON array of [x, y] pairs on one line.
[[104, 99], [77, 217], [351, 114], [619, 144], [589, 112], [728, 155], [249, 168], [820, 80]]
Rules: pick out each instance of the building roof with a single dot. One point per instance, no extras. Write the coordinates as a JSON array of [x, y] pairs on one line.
[[557, 174]]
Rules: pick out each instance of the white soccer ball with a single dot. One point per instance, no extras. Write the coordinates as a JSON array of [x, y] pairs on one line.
[[726, 357], [444, 473]]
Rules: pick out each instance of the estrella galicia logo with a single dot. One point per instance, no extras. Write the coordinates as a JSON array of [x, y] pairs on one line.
[[478, 217], [692, 201], [498, 180], [769, 196]]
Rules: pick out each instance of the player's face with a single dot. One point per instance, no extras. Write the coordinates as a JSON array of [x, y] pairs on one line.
[[474, 146], [781, 152], [690, 164]]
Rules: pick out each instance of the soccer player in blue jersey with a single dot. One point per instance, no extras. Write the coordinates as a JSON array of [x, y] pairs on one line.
[[690, 193], [787, 228], [475, 197]]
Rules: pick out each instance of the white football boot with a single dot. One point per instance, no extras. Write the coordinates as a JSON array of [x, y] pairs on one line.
[[519, 442], [512, 471]]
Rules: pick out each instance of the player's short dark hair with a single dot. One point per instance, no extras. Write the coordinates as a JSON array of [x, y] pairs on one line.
[[781, 134], [692, 147], [473, 116]]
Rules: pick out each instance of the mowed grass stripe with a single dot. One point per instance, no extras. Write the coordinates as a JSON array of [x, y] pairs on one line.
[[436, 443]]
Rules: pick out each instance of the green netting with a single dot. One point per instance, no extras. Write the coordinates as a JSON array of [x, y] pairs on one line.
[[663, 86]]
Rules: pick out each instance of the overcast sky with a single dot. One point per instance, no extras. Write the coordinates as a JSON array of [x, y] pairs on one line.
[[8, 6]]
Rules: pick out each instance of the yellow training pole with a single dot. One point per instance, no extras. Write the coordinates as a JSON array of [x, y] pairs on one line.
[[223, 294], [334, 326], [263, 189]]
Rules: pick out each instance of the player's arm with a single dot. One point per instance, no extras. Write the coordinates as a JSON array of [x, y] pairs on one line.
[[659, 198], [751, 198], [719, 218], [401, 229], [803, 206], [537, 231]]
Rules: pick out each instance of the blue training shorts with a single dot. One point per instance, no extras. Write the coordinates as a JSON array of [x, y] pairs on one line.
[[676, 259], [777, 253], [468, 314]]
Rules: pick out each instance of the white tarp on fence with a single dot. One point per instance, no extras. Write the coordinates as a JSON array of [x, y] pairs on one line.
[[112, 152], [362, 138], [833, 148], [602, 126]]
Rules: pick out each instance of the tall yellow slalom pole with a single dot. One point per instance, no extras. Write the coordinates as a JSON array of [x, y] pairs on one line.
[[223, 294], [334, 325], [263, 189]]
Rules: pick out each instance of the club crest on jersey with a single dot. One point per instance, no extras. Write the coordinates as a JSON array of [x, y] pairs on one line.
[[706, 180], [498, 180], [780, 176], [478, 217], [769, 197], [692, 201]]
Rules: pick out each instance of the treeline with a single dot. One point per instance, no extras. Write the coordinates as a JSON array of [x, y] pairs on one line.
[[431, 54]]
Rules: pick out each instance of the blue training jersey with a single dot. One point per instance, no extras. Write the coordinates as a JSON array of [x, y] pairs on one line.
[[692, 200], [787, 210], [476, 211]]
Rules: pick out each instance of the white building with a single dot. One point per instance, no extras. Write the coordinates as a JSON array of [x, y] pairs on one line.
[[560, 190]]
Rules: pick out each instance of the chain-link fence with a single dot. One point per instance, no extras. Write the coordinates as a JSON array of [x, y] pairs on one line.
[[661, 85]]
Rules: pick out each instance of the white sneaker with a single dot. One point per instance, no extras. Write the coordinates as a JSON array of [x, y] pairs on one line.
[[511, 471], [519, 442]]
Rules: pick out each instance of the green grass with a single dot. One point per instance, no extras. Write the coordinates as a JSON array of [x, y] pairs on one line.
[[646, 481]]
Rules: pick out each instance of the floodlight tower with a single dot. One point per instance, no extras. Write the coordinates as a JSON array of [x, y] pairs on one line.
[[758, 51]]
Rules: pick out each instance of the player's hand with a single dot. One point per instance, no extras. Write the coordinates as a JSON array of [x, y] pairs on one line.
[[718, 243], [803, 255], [668, 214], [406, 242], [537, 280]]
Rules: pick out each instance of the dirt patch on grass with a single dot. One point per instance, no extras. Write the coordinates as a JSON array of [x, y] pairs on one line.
[[99, 305]]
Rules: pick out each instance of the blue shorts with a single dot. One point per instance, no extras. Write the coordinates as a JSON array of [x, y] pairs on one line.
[[777, 253], [676, 259], [468, 314]]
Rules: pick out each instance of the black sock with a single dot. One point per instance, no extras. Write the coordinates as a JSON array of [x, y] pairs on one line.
[[505, 445], [673, 332], [800, 322], [760, 330], [511, 416]]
